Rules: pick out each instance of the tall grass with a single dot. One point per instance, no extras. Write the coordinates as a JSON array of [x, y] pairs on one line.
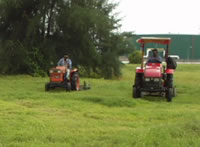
[[106, 115]]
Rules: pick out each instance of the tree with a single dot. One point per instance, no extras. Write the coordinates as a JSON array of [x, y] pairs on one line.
[[36, 33], [127, 44]]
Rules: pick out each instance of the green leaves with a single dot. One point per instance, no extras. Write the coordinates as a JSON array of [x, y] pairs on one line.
[[83, 29], [135, 57]]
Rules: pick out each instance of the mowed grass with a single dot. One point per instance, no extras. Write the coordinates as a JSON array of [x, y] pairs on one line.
[[106, 115]]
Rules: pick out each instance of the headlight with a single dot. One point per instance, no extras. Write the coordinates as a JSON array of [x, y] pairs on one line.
[[51, 71], [59, 71], [147, 79], [156, 79]]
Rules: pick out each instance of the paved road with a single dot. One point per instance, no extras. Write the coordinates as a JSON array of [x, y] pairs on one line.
[[188, 62]]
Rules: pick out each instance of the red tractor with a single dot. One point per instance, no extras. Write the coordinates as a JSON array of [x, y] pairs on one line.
[[155, 77], [58, 79]]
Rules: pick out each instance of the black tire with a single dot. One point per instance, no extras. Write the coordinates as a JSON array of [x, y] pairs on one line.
[[138, 79], [174, 92], [170, 81], [74, 83], [138, 85], [68, 87], [136, 93], [47, 88], [169, 94]]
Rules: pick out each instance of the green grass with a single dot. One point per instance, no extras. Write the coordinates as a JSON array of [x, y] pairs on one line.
[[106, 115]]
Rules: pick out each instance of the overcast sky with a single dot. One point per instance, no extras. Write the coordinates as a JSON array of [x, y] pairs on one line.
[[160, 16]]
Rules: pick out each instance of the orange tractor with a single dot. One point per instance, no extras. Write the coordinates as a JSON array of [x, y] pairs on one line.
[[58, 79]]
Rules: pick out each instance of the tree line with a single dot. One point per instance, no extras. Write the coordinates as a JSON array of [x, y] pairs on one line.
[[34, 34]]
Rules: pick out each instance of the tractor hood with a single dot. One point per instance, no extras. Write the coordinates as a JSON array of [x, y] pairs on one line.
[[153, 71]]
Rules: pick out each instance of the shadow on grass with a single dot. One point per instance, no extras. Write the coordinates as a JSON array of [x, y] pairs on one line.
[[154, 98], [55, 90], [115, 102]]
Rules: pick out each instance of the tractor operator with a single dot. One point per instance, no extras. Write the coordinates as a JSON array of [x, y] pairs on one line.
[[66, 61], [155, 58]]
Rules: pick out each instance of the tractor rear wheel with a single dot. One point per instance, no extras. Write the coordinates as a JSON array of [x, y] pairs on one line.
[[170, 80], [138, 85], [75, 82], [174, 92], [169, 94], [68, 87], [136, 93], [47, 88], [138, 79]]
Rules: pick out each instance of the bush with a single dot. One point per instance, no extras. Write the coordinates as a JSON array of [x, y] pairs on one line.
[[135, 57], [16, 58], [88, 72]]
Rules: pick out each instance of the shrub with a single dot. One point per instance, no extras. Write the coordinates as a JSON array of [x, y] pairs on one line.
[[135, 57]]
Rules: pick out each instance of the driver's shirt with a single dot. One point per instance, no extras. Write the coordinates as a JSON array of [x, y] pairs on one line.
[[67, 63], [157, 59]]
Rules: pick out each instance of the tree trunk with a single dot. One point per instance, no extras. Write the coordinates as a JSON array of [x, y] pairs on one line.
[[50, 17]]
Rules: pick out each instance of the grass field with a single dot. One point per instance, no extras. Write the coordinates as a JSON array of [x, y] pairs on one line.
[[106, 115]]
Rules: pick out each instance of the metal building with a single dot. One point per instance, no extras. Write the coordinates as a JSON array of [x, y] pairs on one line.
[[187, 47]]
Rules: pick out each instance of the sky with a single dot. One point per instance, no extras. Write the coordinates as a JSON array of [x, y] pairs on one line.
[[159, 16]]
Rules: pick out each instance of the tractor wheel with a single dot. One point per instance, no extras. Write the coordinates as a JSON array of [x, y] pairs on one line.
[[169, 80], [68, 87], [47, 88], [174, 92], [138, 79], [169, 94], [138, 85], [75, 85], [136, 93]]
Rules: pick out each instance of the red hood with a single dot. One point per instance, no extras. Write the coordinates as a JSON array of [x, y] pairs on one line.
[[153, 70]]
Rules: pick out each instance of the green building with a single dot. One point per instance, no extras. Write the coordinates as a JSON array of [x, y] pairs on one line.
[[187, 47]]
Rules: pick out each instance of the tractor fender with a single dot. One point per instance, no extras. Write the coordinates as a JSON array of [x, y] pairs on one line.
[[169, 71], [139, 70], [74, 70]]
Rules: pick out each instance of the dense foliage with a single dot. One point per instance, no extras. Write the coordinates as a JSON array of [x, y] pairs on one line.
[[135, 57], [36, 33]]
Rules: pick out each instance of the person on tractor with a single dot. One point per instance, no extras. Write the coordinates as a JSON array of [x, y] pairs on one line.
[[66, 61], [155, 58]]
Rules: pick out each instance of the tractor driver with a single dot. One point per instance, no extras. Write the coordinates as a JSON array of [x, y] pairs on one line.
[[66, 61], [155, 58]]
